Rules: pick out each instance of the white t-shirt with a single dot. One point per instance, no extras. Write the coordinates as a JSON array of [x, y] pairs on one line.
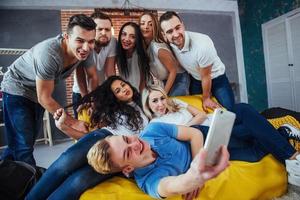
[[157, 68], [100, 58], [199, 52], [122, 129], [134, 75], [181, 117]]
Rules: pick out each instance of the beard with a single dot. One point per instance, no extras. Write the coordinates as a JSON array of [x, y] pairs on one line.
[[101, 44], [180, 41]]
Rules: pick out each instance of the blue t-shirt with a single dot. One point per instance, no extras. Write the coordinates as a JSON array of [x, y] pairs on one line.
[[173, 156]]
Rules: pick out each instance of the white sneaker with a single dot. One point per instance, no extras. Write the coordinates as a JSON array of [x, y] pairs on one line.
[[293, 166], [293, 169], [293, 132], [294, 179]]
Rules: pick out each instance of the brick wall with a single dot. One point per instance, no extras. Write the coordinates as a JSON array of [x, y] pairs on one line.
[[118, 18]]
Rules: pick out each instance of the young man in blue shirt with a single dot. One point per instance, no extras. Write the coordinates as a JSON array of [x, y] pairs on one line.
[[164, 159]]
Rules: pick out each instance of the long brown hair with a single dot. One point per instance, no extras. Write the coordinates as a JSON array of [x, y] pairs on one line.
[[157, 33]]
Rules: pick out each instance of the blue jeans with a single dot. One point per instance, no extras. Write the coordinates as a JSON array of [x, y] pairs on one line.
[[181, 85], [70, 175], [76, 97], [253, 137], [220, 88], [23, 119]]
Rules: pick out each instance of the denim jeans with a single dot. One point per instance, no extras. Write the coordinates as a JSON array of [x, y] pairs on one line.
[[70, 175], [76, 97], [220, 88], [181, 85], [253, 137], [23, 119]]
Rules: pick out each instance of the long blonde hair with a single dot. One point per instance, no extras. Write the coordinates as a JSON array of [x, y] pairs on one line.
[[171, 105]]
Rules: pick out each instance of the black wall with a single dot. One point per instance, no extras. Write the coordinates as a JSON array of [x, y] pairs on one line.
[[22, 29]]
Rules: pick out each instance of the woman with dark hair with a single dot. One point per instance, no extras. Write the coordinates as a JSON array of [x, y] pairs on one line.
[[163, 64], [111, 105], [132, 60], [116, 109]]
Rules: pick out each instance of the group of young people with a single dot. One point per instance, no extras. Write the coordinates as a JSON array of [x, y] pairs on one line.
[[157, 139], [148, 52], [157, 59]]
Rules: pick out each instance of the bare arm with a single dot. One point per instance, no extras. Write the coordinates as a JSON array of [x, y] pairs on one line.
[[45, 89], [195, 177], [109, 66], [81, 80], [199, 116], [205, 74], [193, 135], [142, 83], [60, 117], [206, 81], [168, 60], [92, 77]]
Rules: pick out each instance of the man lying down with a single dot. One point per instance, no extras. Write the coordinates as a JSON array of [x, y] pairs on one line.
[[165, 159]]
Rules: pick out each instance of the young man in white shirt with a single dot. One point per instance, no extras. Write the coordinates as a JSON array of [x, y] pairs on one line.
[[197, 54], [104, 56]]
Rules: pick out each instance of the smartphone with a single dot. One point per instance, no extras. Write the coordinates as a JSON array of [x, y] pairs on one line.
[[218, 134]]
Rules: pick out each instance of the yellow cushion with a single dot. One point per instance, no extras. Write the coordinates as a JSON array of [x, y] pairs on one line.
[[265, 179], [242, 180], [84, 116]]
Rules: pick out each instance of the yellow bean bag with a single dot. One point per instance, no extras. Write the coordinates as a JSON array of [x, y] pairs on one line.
[[261, 180], [265, 179]]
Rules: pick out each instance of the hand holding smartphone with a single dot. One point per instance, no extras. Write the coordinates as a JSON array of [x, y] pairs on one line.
[[218, 134]]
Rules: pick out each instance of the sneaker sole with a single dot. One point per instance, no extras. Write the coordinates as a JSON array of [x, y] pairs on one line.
[[292, 170], [293, 167], [294, 179]]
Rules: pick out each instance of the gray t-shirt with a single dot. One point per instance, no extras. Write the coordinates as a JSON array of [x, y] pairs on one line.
[[45, 61]]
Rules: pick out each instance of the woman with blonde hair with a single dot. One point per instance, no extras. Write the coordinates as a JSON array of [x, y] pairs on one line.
[[159, 107], [163, 65], [250, 137]]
